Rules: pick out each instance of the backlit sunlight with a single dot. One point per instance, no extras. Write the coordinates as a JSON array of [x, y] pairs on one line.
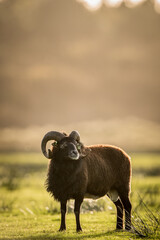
[[94, 5], [113, 3], [91, 4]]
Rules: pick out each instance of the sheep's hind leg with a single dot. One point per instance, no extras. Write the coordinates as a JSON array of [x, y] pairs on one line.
[[113, 195], [119, 207], [127, 206], [63, 214], [77, 206]]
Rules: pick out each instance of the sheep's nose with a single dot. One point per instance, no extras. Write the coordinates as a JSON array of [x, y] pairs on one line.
[[74, 152]]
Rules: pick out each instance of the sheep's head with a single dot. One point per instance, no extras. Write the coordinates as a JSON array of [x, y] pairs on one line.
[[68, 147]]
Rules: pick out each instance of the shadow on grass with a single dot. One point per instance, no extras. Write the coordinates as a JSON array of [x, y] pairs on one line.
[[65, 235]]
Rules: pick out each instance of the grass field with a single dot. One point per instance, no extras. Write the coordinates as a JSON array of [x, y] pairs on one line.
[[28, 212]]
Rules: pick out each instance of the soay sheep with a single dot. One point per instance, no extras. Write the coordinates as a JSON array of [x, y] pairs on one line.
[[78, 172]]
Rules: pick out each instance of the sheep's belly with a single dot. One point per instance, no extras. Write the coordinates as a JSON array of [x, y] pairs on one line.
[[88, 195], [112, 194]]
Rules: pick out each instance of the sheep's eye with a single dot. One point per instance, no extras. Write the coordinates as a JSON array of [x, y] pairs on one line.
[[63, 145]]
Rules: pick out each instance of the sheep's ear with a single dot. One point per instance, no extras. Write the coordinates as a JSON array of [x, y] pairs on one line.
[[50, 154], [65, 134], [50, 151], [84, 151]]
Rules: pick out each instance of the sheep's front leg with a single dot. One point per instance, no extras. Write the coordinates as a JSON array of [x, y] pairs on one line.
[[77, 206], [63, 214]]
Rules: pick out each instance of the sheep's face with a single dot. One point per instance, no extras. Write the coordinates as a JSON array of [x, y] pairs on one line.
[[70, 149]]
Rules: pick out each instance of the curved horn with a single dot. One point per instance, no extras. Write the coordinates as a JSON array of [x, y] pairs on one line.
[[75, 135], [52, 135]]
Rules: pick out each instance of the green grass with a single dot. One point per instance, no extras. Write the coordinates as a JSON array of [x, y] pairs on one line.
[[28, 212], [95, 226]]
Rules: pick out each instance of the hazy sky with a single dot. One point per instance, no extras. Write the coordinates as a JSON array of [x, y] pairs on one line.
[[60, 63]]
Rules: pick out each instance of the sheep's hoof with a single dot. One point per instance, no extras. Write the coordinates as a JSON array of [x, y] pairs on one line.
[[61, 229], [119, 228], [79, 229], [128, 228]]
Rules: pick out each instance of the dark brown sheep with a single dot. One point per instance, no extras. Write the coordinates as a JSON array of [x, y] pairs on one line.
[[76, 172]]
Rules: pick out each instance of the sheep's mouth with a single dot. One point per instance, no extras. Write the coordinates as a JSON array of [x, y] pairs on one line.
[[73, 156]]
